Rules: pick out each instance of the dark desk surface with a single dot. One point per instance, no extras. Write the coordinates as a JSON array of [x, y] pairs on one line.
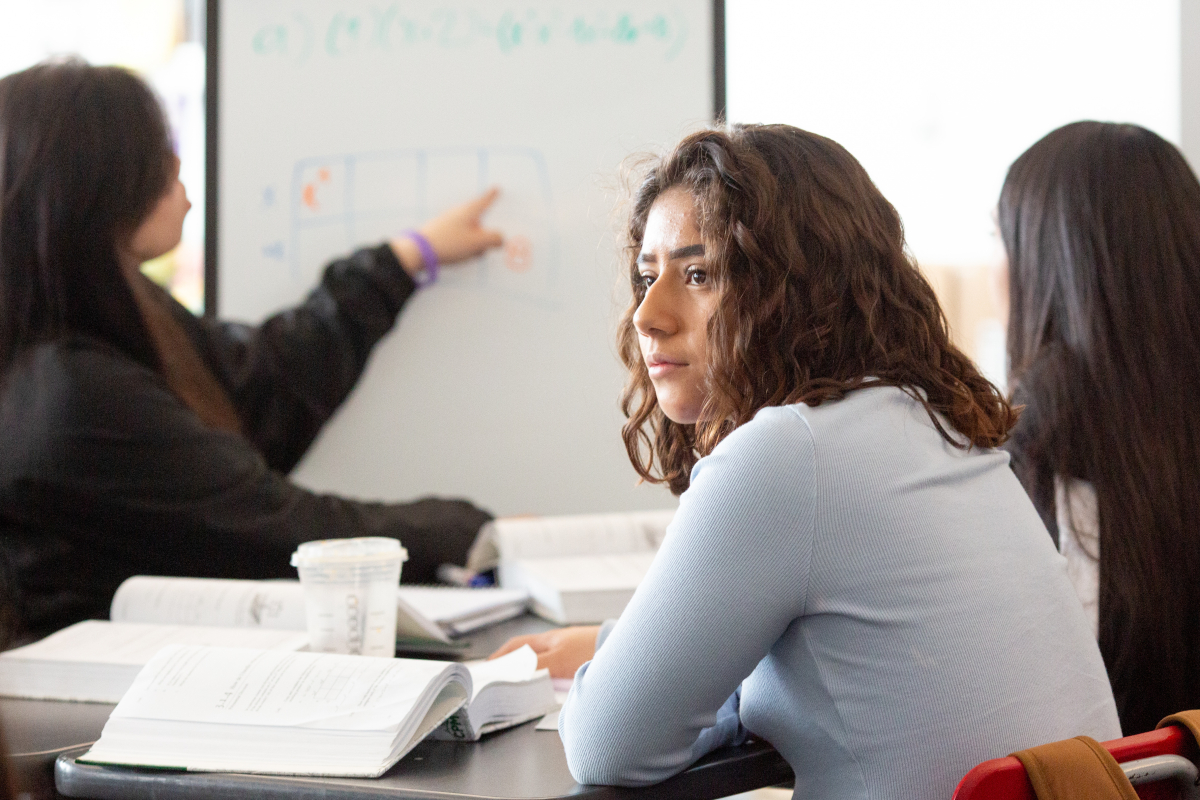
[[518, 763]]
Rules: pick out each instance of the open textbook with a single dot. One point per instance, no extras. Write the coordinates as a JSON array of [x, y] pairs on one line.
[[507, 691], [96, 662], [224, 709], [424, 613], [579, 569]]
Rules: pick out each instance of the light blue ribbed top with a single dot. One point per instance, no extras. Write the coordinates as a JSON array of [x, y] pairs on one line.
[[890, 605]]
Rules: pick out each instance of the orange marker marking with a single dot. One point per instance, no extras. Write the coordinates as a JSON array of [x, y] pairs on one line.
[[518, 254], [308, 195]]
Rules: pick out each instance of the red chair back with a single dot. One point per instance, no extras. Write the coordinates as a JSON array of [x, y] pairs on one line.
[[1005, 779]]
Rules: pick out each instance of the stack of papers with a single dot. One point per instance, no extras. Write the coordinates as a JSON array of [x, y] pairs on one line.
[[459, 611], [579, 569]]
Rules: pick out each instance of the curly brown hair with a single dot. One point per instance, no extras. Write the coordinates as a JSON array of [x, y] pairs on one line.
[[817, 298]]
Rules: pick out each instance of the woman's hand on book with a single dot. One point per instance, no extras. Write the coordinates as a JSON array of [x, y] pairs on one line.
[[562, 651]]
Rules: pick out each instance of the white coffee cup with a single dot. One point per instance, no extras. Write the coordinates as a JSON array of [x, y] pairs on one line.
[[350, 594]]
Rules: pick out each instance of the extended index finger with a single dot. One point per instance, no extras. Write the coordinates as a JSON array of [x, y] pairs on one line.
[[484, 201]]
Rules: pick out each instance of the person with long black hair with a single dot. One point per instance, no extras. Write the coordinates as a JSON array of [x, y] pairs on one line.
[[137, 438], [1101, 224]]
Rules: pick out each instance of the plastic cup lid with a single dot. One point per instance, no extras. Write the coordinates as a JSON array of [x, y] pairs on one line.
[[363, 550]]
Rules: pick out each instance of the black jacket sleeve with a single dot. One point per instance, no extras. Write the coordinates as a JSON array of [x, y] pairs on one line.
[[105, 474], [288, 375]]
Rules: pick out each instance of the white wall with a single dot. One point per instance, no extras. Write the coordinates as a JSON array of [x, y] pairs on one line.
[[146, 36], [937, 97], [1189, 69]]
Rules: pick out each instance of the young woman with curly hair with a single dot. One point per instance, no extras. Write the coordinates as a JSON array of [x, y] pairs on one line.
[[1100, 223], [853, 574]]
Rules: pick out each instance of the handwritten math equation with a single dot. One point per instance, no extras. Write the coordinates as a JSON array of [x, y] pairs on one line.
[[398, 27]]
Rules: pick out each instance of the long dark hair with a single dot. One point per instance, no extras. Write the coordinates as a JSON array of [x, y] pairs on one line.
[[1102, 227], [816, 297], [84, 156]]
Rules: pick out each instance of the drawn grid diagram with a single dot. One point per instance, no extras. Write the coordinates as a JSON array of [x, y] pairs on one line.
[[342, 201]]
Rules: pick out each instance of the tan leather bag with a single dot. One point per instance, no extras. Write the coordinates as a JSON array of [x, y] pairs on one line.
[[1081, 769], [1075, 769]]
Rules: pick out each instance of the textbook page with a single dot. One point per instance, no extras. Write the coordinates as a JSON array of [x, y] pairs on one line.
[[260, 711], [457, 611], [96, 661], [516, 667], [210, 601], [507, 691], [583, 534], [411, 624], [97, 641], [590, 573], [267, 687], [578, 589], [423, 613]]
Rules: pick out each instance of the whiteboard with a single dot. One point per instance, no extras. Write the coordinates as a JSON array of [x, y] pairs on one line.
[[340, 123]]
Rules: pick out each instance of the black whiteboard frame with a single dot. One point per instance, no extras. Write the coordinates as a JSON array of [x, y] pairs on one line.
[[212, 154], [212, 85]]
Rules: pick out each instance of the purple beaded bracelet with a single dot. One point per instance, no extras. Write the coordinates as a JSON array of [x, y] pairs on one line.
[[429, 259]]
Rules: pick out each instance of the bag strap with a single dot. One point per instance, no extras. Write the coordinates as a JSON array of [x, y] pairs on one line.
[[1075, 769], [1187, 719]]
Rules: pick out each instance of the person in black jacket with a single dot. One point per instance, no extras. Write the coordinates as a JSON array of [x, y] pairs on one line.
[[136, 438]]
